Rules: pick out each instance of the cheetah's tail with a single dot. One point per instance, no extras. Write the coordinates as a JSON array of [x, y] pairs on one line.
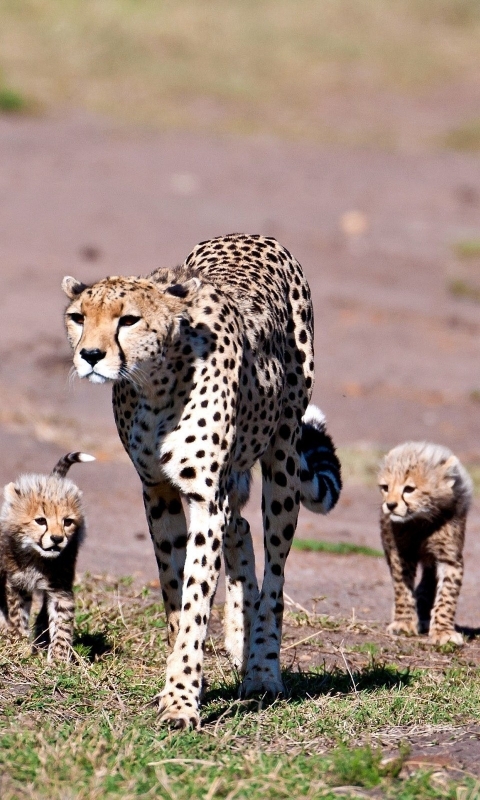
[[320, 468], [61, 468]]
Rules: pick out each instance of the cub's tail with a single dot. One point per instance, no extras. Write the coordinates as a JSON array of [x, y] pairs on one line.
[[321, 474], [61, 468]]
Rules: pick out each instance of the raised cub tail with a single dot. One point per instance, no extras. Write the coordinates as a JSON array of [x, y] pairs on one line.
[[320, 468], [61, 468]]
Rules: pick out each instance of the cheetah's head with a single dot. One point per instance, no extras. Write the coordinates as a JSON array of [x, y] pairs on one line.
[[120, 323]]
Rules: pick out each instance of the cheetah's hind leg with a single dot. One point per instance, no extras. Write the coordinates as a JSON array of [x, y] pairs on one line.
[[240, 579]]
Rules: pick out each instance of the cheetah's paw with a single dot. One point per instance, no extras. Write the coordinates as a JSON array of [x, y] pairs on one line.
[[444, 637], [261, 683], [176, 713], [407, 627]]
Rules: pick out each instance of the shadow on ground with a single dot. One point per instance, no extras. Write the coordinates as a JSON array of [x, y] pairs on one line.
[[302, 685]]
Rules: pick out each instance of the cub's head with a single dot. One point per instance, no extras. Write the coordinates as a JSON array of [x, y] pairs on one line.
[[42, 513], [118, 323], [422, 480]]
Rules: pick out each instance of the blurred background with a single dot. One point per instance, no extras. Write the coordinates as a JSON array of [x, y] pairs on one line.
[[349, 129]]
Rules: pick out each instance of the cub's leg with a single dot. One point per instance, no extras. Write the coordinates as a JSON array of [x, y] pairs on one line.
[[280, 504], [402, 570], [19, 603], [241, 590], [449, 583], [61, 612], [425, 596], [179, 700], [168, 529], [3, 602]]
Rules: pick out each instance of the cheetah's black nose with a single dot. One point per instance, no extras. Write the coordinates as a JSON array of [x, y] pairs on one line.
[[92, 356], [56, 539], [391, 506]]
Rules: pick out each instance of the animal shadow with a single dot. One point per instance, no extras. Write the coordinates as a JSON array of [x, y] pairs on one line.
[[92, 645], [300, 686], [469, 633]]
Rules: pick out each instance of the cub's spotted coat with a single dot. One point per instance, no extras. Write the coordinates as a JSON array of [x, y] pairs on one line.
[[41, 527], [212, 364], [426, 497]]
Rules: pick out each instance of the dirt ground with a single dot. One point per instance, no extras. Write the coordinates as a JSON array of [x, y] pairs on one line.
[[397, 354]]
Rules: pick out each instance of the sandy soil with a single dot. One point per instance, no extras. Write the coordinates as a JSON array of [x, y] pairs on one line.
[[396, 354]]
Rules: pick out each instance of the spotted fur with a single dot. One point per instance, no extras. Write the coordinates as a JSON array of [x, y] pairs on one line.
[[212, 370], [426, 497], [41, 527]]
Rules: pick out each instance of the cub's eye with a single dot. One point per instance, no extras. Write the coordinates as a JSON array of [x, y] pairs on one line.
[[128, 320], [78, 319], [408, 489], [67, 522], [40, 520], [384, 487]]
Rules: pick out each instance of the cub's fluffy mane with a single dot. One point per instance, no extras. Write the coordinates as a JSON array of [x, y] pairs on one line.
[[428, 458], [50, 488]]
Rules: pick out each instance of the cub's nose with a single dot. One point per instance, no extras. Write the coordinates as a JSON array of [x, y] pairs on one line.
[[56, 539], [391, 506], [92, 356]]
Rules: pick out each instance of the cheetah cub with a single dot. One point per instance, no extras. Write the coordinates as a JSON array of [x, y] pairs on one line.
[[41, 527], [426, 496]]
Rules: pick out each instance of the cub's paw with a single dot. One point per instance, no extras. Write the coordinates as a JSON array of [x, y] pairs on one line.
[[58, 653], [177, 713], [405, 626], [446, 637]]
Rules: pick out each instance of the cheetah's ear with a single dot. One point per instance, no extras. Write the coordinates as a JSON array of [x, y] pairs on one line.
[[11, 492], [72, 287], [185, 290]]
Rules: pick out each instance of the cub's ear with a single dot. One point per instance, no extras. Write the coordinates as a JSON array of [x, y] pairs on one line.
[[10, 492], [72, 287], [187, 289], [450, 464]]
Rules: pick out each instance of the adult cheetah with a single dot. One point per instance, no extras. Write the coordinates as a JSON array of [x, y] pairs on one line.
[[212, 370]]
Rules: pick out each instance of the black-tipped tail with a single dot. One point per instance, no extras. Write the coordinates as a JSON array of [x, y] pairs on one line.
[[61, 468], [321, 474]]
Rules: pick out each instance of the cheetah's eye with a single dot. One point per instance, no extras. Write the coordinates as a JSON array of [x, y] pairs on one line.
[[408, 489], [67, 522], [40, 520], [384, 487], [78, 319], [128, 320]]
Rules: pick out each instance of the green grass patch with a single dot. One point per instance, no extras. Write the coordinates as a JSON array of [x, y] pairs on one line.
[[340, 548], [464, 290], [11, 102], [467, 248], [464, 137], [86, 731], [238, 65]]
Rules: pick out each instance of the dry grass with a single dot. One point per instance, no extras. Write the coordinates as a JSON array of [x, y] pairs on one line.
[[85, 731], [238, 65]]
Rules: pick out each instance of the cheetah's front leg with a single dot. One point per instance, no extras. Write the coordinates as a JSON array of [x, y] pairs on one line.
[[179, 700], [19, 604], [61, 612], [168, 529], [449, 582], [403, 572]]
